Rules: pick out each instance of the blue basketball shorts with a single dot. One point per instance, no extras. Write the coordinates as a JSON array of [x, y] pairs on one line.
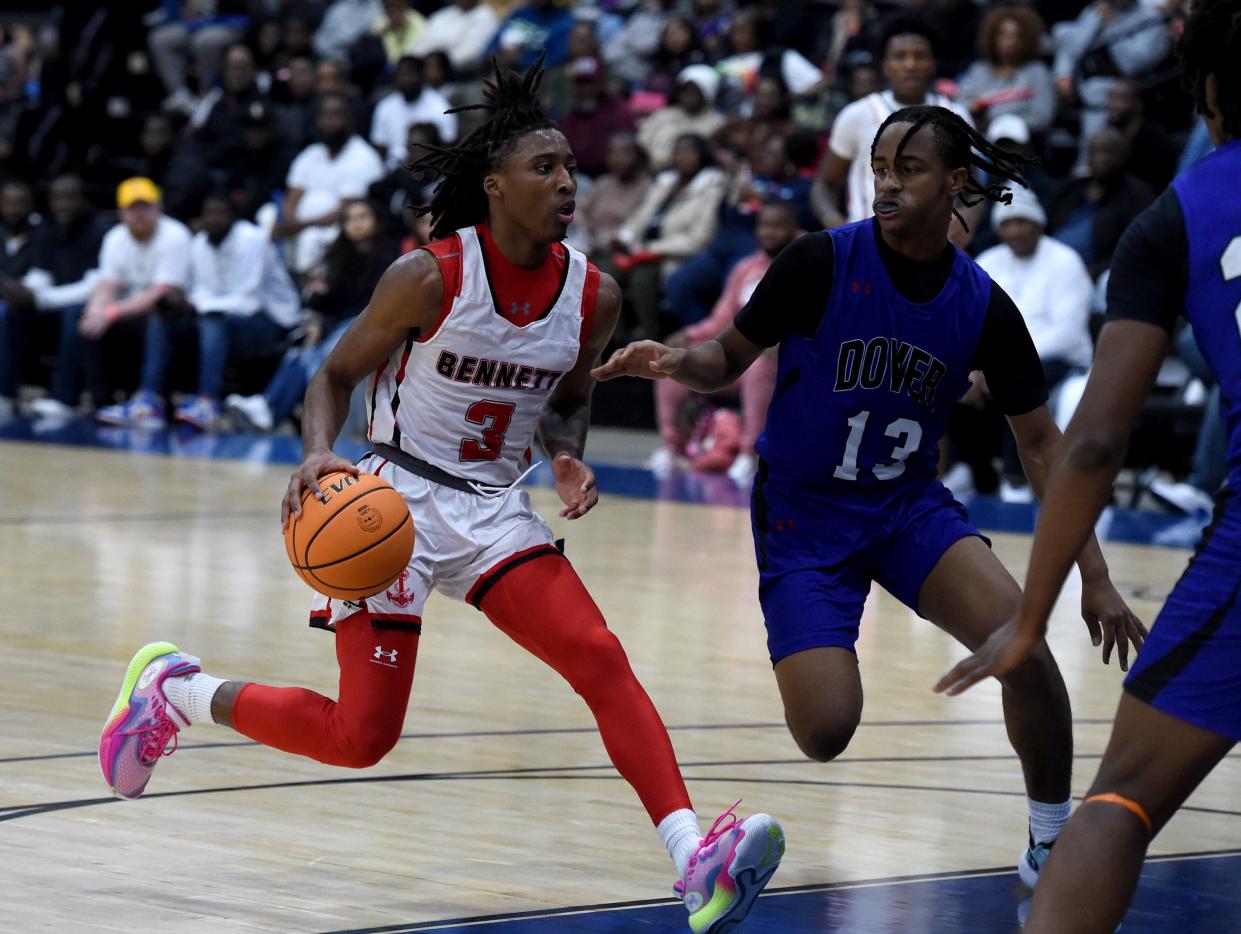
[[1190, 665], [817, 556]]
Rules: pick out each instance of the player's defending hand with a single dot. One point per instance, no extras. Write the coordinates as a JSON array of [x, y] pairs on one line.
[[306, 477], [1003, 651], [1110, 621], [648, 359], [575, 482]]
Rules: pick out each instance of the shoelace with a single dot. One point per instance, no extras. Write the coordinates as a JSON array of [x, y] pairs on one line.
[[487, 489], [716, 831], [156, 738]]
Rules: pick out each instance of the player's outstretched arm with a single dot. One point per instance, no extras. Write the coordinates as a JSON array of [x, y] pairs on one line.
[[708, 367], [1108, 618], [407, 297], [1078, 486], [562, 427]]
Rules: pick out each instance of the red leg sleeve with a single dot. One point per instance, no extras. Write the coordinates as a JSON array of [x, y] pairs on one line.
[[358, 729], [544, 607]]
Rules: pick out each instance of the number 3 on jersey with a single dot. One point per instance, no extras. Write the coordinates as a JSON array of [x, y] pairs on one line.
[[906, 427], [494, 418]]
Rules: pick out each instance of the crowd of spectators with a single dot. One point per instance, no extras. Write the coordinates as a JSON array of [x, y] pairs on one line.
[[226, 178]]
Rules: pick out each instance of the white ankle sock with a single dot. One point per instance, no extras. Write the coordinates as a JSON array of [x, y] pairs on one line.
[[1047, 820], [681, 835], [191, 695]]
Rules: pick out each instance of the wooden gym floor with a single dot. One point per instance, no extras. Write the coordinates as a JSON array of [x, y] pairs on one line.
[[498, 809]]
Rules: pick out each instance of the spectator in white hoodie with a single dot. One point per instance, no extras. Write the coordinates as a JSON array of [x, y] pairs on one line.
[[1050, 285]]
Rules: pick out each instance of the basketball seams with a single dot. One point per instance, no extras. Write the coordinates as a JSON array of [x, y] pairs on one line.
[[377, 542], [368, 591], [307, 571], [339, 509]]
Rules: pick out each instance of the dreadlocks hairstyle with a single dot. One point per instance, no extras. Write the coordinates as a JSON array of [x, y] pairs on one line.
[[1211, 45], [512, 103], [962, 146]]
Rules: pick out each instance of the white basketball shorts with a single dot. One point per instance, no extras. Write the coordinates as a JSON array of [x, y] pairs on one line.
[[463, 543]]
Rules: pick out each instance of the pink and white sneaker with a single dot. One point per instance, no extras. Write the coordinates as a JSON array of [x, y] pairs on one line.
[[143, 725], [734, 861]]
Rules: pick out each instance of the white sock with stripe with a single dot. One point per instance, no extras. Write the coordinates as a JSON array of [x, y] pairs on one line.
[[1047, 820]]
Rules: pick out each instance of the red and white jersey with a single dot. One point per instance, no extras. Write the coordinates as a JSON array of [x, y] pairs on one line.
[[467, 396]]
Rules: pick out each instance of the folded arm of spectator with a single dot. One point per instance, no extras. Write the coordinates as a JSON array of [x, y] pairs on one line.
[[50, 297]]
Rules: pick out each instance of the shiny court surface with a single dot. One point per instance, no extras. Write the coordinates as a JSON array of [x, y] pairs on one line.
[[498, 810]]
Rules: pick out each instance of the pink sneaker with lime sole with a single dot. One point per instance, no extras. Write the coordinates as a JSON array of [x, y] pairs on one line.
[[143, 725], [734, 861]]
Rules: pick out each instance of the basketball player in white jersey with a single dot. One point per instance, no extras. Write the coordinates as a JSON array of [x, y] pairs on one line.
[[472, 347]]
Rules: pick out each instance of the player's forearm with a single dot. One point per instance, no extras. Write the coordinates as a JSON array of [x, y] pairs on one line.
[[324, 411], [1077, 488], [562, 430], [707, 368], [1037, 465]]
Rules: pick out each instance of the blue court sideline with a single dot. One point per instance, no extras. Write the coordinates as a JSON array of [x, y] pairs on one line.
[[1197, 890]]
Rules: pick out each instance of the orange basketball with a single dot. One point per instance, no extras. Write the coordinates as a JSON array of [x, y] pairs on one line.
[[354, 540]]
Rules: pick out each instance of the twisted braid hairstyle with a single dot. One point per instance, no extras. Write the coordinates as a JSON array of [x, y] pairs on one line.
[[512, 103], [961, 146]]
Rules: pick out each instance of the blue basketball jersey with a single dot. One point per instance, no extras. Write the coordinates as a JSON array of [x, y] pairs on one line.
[[862, 404], [1210, 194]]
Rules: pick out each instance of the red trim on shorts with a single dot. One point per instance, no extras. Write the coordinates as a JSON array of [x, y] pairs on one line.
[[488, 578], [447, 253], [590, 295]]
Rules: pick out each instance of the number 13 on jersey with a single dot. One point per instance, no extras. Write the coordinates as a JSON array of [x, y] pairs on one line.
[[907, 434]]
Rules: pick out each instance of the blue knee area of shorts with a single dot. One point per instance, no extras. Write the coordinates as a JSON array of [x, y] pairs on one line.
[[812, 608], [817, 557], [926, 527], [1190, 665]]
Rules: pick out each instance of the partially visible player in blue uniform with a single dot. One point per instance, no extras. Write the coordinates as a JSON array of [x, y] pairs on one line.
[[1181, 710], [880, 324]]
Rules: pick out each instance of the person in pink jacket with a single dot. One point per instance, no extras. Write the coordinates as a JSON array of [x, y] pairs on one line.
[[777, 227]]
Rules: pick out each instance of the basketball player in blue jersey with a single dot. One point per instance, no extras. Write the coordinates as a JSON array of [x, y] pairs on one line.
[[880, 324], [1181, 710]]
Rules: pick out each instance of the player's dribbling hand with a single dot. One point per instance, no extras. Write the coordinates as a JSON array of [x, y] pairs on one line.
[[1003, 651], [306, 477], [648, 359], [575, 483], [1110, 621]]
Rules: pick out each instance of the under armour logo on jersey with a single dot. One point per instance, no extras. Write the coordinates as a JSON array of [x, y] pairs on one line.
[[381, 653], [520, 310], [859, 287]]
